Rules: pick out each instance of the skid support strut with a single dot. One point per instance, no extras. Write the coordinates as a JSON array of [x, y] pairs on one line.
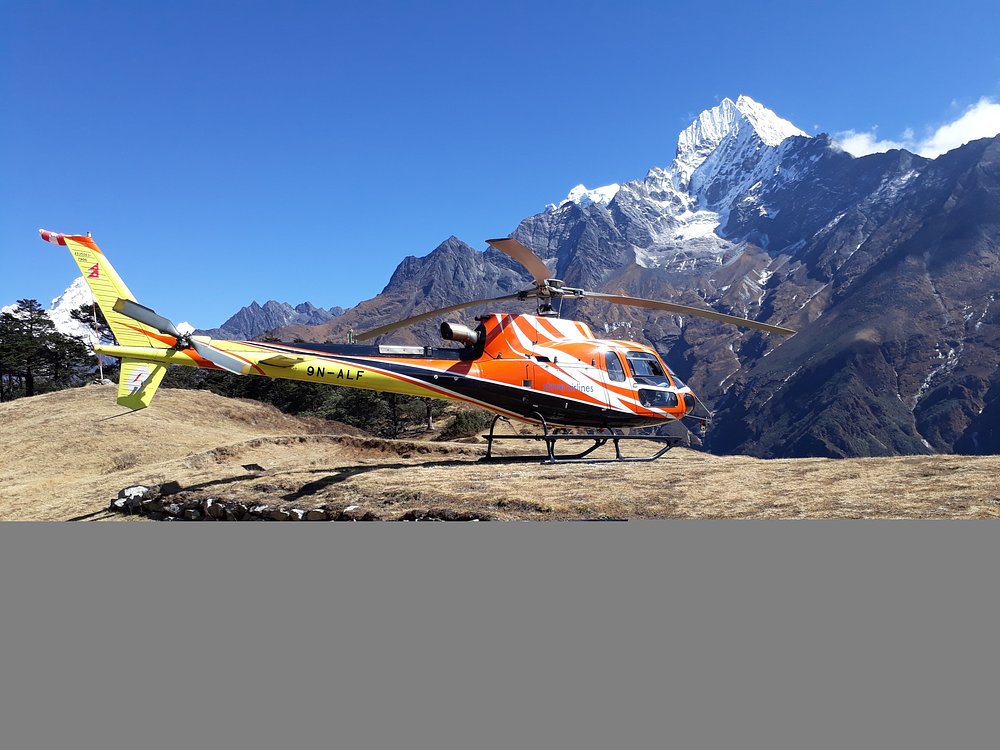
[[600, 439]]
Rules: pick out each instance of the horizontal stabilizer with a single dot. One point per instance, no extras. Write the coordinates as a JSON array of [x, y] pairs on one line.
[[138, 382]]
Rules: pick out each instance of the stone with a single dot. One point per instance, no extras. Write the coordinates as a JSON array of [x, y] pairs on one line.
[[317, 514], [214, 509], [279, 514], [440, 514], [152, 505], [130, 498], [235, 512], [136, 492]]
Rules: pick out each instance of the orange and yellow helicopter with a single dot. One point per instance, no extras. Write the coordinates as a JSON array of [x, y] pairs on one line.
[[540, 369]]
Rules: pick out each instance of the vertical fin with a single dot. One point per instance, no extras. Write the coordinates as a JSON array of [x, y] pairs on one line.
[[107, 288]]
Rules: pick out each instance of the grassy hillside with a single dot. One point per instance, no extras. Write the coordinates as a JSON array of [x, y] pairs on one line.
[[62, 454], [65, 455]]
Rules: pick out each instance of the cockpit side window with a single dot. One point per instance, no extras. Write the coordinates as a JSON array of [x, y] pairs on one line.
[[613, 364], [646, 368]]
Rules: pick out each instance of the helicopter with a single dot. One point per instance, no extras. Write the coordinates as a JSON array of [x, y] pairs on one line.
[[538, 368]]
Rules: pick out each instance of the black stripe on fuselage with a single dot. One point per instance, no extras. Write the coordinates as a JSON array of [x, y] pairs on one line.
[[363, 350], [526, 402]]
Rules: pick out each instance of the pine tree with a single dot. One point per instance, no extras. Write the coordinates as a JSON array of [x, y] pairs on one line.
[[34, 354], [93, 318]]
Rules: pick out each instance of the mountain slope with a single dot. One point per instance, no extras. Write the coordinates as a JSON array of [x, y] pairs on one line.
[[903, 349]]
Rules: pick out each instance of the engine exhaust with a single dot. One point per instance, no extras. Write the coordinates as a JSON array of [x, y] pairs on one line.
[[458, 332]]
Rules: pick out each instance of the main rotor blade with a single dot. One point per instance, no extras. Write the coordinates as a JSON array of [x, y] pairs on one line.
[[685, 310], [145, 315], [427, 315], [523, 255], [219, 358]]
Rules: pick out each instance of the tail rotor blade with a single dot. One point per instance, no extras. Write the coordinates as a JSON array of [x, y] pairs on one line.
[[145, 315], [685, 310], [219, 358], [523, 255]]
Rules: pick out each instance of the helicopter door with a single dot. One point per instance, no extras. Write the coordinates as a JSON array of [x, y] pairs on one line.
[[617, 379]]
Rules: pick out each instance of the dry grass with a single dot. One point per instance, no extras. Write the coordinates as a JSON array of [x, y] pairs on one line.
[[65, 455]]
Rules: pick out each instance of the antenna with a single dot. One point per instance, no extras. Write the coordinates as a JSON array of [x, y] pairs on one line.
[[97, 331]]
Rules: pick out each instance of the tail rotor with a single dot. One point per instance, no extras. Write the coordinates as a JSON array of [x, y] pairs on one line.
[[201, 344]]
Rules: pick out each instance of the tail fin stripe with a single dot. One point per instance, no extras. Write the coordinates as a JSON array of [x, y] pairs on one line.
[[54, 237]]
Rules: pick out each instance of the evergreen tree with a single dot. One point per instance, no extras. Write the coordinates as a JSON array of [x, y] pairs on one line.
[[34, 355], [93, 318]]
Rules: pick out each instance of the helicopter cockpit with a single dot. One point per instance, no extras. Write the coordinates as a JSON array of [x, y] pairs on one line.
[[656, 384]]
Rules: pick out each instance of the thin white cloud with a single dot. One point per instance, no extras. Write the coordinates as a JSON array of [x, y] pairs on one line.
[[862, 144], [981, 120]]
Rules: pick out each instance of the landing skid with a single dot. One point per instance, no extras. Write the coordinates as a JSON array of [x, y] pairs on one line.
[[600, 440]]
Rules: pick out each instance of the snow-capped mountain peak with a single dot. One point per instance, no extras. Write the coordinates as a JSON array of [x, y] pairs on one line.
[[720, 141], [583, 197], [77, 294], [705, 133], [725, 155], [771, 128], [745, 120]]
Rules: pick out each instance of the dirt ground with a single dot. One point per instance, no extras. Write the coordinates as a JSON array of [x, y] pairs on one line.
[[64, 456]]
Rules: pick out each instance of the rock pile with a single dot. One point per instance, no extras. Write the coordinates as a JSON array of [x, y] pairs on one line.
[[165, 503]]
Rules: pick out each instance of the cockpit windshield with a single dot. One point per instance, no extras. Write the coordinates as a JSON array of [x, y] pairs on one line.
[[646, 368], [677, 381]]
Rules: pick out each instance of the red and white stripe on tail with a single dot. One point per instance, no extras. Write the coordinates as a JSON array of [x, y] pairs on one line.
[[54, 237]]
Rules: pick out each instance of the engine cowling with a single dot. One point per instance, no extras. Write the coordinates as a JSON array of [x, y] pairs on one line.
[[460, 333]]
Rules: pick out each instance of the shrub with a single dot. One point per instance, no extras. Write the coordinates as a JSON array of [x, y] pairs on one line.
[[467, 423]]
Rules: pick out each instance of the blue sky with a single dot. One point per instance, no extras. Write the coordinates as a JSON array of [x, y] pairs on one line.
[[227, 151]]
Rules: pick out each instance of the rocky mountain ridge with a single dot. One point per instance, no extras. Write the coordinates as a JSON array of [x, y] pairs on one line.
[[255, 319]]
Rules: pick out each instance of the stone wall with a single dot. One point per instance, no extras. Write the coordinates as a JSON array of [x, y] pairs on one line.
[[155, 504]]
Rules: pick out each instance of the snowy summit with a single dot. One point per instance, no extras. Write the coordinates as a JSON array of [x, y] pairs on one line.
[[730, 120], [76, 295], [581, 196], [722, 154]]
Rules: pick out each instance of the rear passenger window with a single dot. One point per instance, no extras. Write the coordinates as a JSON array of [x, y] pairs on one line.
[[614, 365]]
